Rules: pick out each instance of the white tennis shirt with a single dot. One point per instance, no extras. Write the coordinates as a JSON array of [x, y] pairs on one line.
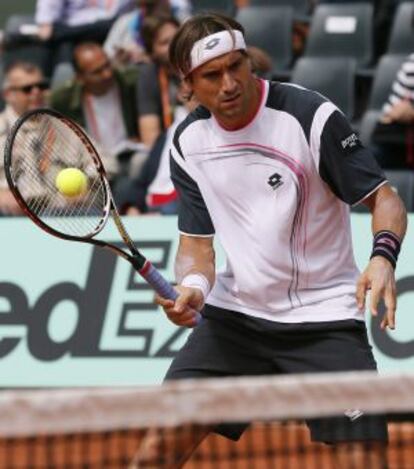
[[277, 193]]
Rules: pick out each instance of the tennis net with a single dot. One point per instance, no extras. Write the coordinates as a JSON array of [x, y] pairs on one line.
[[103, 428]]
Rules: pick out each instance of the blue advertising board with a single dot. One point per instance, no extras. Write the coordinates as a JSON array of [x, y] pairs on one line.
[[72, 314]]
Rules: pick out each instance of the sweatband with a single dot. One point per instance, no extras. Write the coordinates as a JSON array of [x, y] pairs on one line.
[[197, 281], [214, 45], [386, 244]]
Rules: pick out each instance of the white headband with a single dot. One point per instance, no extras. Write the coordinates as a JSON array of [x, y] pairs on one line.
[[214, 45]]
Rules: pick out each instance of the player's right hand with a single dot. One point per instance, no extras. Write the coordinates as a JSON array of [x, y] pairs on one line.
[[184, 311], [8, 204]]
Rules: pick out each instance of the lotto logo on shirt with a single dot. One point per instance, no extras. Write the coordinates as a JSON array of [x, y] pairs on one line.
[[350, 142], [275, 181]]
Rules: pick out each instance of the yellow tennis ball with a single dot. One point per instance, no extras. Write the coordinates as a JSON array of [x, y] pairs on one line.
[[71, 182]]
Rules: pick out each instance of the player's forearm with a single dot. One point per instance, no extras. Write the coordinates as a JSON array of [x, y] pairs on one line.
[[388, 212], [195, 256]]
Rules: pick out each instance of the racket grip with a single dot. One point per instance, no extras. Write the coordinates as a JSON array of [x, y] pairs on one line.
[[160, 285]]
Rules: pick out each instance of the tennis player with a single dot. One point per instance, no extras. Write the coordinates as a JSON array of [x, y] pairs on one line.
[[272, 169]]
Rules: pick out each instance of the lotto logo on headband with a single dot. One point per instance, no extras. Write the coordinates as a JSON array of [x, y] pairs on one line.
[[214, 45]]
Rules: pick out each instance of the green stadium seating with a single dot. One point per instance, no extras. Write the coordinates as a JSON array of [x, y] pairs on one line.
[[402, 32], [342, 30], [270, 28], [13, 7], [323, 74]]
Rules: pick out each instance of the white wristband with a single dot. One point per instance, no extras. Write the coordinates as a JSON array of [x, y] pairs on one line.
[[197, 281]]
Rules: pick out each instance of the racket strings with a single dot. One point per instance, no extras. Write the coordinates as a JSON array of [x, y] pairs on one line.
[[30, 149], [43, 146]]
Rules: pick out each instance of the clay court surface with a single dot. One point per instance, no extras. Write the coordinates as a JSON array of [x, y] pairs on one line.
[[263, 446]]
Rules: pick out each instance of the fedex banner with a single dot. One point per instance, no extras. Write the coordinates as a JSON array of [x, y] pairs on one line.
[[72, 314]]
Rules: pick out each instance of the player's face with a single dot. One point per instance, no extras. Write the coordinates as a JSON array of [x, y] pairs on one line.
[[227, 87], [25, 91]]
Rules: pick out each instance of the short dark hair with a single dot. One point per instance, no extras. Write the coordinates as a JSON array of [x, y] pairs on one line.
[[151, 26], [193, 30], [26, 66], [90, 45], [154, 7]]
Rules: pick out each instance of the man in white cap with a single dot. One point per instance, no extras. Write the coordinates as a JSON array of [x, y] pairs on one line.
[[272, 169]]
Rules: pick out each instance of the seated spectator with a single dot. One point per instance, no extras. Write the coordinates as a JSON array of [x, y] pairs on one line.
[[64, 23], [153, 191], [157, 84], [124, 42], [102, 99], [24, 88], [393, 138], [260, 60]]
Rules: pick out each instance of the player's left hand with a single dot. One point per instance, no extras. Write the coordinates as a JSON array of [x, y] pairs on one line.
[[379, 278]]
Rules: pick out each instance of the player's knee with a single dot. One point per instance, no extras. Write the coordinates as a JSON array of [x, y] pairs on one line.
[[151, 454]]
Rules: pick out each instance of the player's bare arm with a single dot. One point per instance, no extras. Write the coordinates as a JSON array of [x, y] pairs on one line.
[[388, 215], [195, 274]]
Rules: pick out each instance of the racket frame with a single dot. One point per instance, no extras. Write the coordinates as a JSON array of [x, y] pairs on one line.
[[138, 261]]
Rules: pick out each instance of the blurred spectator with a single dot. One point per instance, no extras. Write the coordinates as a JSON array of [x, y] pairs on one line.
[[102, 99], [153, 191], [157, 84], [399, 106], [260, 60], [24, 88], [124, 42], [51, 15], [63, 23], [394, 135]]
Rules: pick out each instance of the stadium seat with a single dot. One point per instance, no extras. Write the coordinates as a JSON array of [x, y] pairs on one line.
[[402, 32], [300, 7], [19, 29], [342, 30], [367, 125], [381, 88], [333, 77], [270, 28], [11, 7], [402, 181], [21, 42], [386, 71], [62, 73], [220, 6]]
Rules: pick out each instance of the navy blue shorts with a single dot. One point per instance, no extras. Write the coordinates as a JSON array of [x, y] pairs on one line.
[[234, 344]]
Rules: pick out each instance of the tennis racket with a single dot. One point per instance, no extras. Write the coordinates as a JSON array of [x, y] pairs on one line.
[[43, 142]]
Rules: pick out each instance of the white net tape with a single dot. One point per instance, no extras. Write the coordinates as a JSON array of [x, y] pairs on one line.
[[203, 402]]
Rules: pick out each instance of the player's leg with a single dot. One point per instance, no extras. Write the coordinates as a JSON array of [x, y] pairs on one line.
[[220, 346], [168, 448], [355, 444], [359, 440]]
